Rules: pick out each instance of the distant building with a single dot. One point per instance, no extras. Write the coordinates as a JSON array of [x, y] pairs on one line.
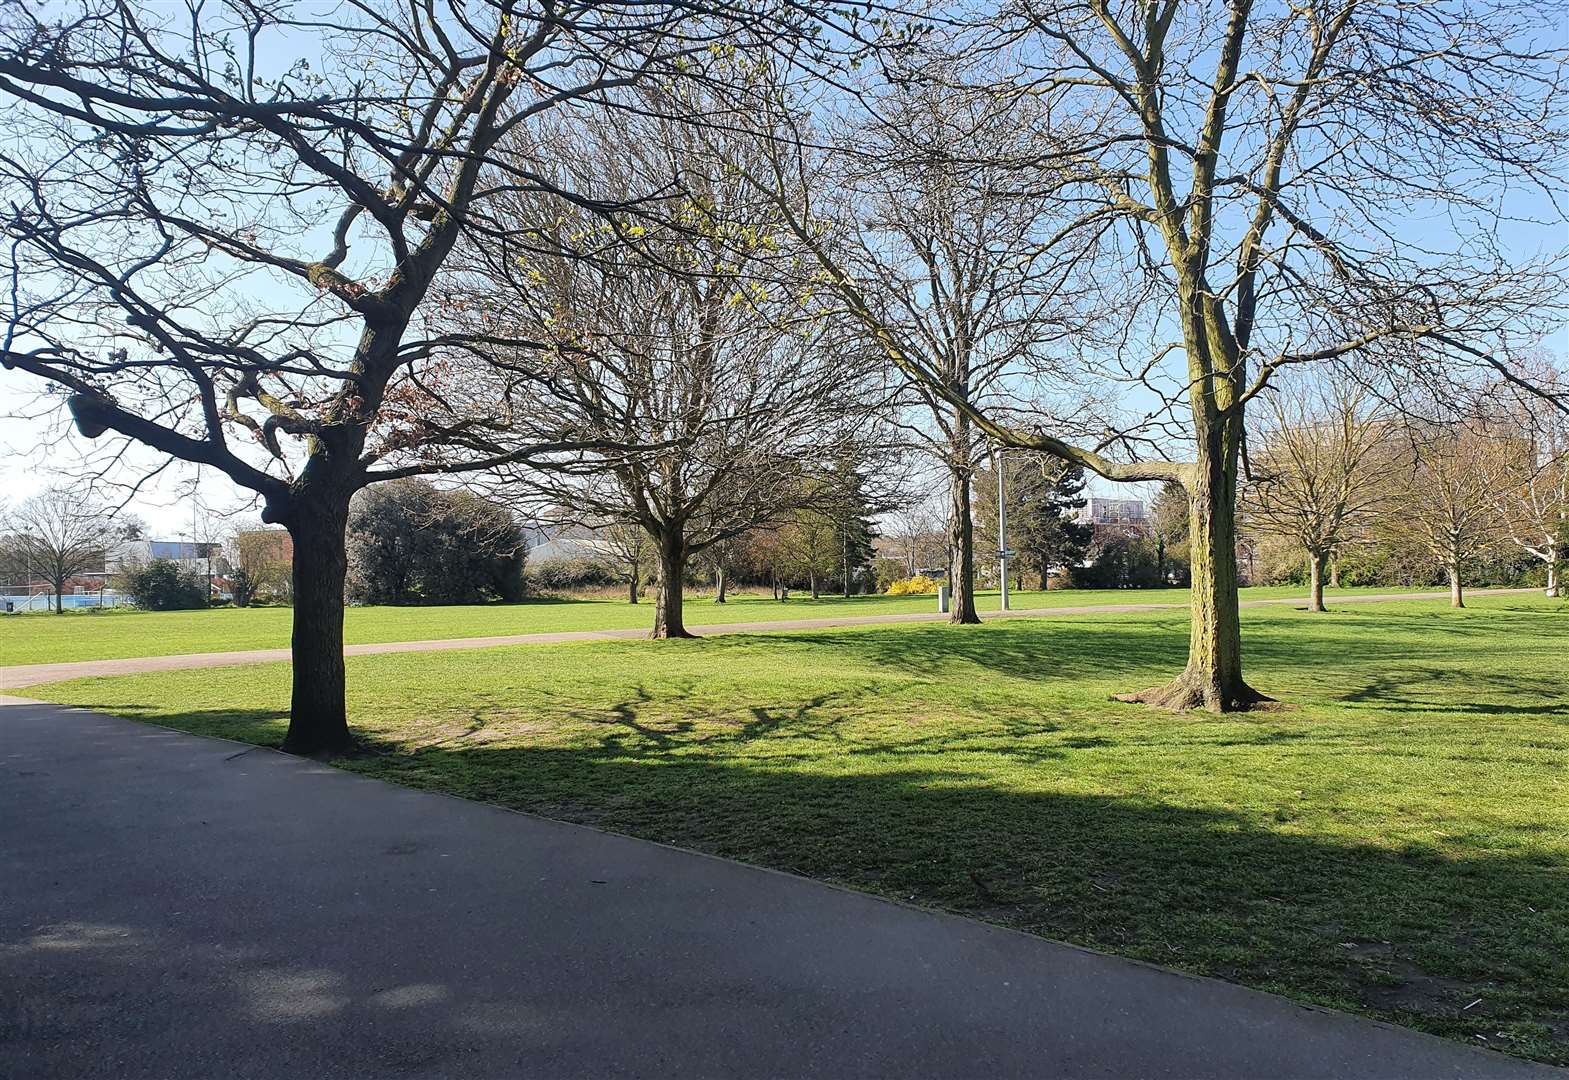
[[571, 548], [1101, 511], [189, 554]]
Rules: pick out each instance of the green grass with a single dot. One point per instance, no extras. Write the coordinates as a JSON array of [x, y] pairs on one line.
[[1397, 843], [110, 635]]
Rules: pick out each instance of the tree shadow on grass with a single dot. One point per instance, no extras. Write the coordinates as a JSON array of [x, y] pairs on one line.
[[1034, 649], [1406, 933]]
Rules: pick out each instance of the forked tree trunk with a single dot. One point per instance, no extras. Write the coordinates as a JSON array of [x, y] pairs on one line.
[[1456, 590], [1316, 563], [1213, 677], [961, 531], [668, 615], [318, 719]]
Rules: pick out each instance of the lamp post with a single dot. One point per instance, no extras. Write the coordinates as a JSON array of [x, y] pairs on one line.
[[1002, 529]]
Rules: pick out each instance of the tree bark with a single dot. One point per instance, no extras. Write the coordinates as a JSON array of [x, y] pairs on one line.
[[59, 599], [1456, 590], [318, 717], [1316, 563], [669, 619], [1334, 570], [720, 585], [961, 530], [1552, 574], [632, 586], [1213, 677], [811, 576]]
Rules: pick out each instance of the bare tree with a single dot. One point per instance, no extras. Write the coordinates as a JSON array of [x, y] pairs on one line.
[[1316, 471], [916, 200], [678, 342], [55, 536], [630, 544], [1441, 495], [1532, 501], [224, 221], [1245, 171]]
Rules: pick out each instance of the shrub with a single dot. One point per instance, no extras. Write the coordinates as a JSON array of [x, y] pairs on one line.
[[562, 575], [919, 585], [242, 588], [162, 585], [411, 542]]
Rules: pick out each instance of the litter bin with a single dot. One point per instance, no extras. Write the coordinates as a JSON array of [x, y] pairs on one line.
[[942, 599]]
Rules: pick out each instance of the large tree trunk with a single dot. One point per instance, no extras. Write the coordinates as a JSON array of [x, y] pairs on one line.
[[632, 584], [1456, 590], [318, 719], [1334, 570], [1213, 677], [1552, 573], [811, 576], [59, 599], [961, 529], [719, 585], [1316, 563], [668, 615]]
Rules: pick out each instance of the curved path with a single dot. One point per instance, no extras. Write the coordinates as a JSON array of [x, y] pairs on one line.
[[175, 906], [14, 678]]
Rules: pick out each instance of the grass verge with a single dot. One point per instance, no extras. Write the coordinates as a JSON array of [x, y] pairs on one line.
[[110, 635]]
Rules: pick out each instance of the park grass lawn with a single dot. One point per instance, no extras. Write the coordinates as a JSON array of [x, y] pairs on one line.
[[1396, 843], [111, 635]]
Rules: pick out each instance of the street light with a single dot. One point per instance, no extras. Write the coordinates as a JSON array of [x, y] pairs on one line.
[[1002, 529]]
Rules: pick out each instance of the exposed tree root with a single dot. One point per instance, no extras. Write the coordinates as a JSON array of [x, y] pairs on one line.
[[1187, 691]]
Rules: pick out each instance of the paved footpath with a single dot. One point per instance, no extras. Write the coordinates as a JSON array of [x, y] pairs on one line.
[[14, 678], [178, 906]]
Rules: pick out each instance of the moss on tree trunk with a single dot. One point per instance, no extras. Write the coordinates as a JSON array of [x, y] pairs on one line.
[[1213, 677]]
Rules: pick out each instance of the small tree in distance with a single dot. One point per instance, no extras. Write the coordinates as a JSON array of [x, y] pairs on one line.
[[1316, 472], [1441, 496], [55, 536], [165, 585]]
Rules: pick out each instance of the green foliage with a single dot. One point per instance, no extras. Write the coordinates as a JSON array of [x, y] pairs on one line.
[[163, 585], [1121, 562], [241, 587], [411, 542], [1044, 495], [1397, 843], [1169, 521]]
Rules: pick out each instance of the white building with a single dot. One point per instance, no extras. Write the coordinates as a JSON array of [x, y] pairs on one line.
[[1103, 511]]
